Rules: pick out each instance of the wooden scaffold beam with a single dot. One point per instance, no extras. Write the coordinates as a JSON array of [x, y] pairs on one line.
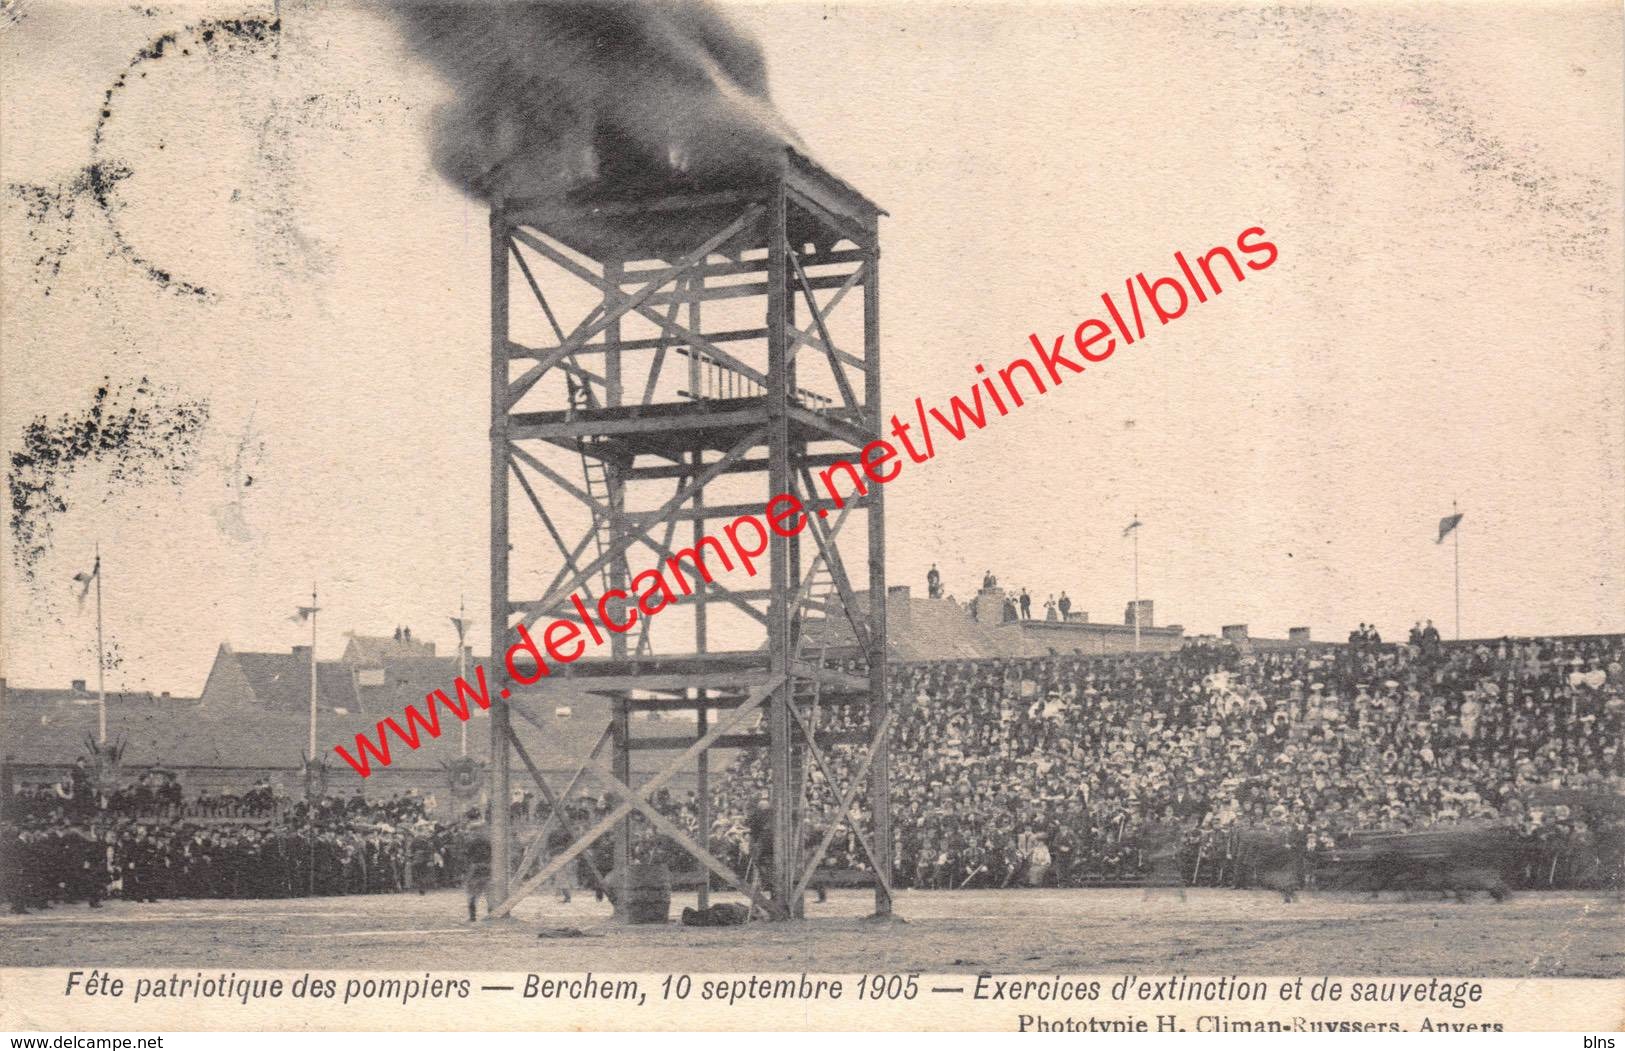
[[634, 415]]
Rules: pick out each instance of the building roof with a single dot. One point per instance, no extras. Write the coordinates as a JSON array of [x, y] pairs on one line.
[[281, 681], [665, 218], [371, 649], [180, 733], [927, 629], [808, 166], [49, 696], [393, 683], [917, 629]]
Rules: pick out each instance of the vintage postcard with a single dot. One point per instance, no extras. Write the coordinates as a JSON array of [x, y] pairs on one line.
[[686, 514]]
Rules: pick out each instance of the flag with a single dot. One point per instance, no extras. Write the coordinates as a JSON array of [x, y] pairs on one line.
[[84, 580], [1132, 526], [1447, 524], [461, 624], [304, 614]]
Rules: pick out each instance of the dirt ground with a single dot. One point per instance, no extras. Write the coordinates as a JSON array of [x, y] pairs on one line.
[[1012, 931]]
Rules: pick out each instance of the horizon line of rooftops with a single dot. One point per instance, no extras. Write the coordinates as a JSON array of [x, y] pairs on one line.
[[356, 658]]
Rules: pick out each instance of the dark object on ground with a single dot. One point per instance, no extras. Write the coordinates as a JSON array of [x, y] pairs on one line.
[[1457, 861], [726, 914], [648, 893], [565, 932], [1271, 858]]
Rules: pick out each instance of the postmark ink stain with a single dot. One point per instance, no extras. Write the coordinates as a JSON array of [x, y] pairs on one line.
[[51, 211], [140, 432], [210, 36]]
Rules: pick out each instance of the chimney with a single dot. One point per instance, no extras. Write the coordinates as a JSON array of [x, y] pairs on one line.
[[78, 686], [1146, 619], [406, 634], [988, 606], [1297, 634], [898, 607]]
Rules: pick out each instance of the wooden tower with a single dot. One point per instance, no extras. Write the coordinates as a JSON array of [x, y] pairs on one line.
[[728, 350]]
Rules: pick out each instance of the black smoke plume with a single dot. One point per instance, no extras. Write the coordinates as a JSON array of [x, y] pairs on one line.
[[556, 100]]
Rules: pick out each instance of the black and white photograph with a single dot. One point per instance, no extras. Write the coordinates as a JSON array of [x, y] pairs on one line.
[[730, 515]]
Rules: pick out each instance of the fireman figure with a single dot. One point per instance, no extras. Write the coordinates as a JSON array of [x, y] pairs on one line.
[[477, 854]]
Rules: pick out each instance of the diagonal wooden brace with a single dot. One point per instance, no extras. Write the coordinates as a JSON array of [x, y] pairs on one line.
[[689, 283], [842, 814], [643, 521], [746, 709], [623, 304], [681, 838], [555, 803], [536, 290], [835, 365], [805, 588], [685, 335], [831, 555], [570, 564], [800, 337]]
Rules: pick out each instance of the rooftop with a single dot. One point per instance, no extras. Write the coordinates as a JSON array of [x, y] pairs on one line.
[[669, 219]]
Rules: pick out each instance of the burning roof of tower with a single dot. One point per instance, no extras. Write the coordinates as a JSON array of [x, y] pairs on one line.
[[556, 100]]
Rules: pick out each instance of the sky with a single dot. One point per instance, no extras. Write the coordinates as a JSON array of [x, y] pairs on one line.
[[1443, 326]]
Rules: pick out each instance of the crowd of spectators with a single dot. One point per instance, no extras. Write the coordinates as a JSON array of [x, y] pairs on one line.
[[69, 843], [1073, 762], [1060, 770]]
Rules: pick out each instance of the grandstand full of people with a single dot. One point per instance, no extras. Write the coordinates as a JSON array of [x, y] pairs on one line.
[[72, 844], [1049, 771]]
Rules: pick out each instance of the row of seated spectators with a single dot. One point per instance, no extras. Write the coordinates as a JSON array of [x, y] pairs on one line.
[[159, 795], [53, 848], [1048, 770], [995, 762]]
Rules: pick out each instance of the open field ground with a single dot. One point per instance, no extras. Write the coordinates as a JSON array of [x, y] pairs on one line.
[[1034, 931]]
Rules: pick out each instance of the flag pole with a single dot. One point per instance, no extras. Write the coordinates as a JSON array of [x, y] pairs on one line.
[[1457, 531], [1136, 582], [310, 752], [462, 672], [101, 660]]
